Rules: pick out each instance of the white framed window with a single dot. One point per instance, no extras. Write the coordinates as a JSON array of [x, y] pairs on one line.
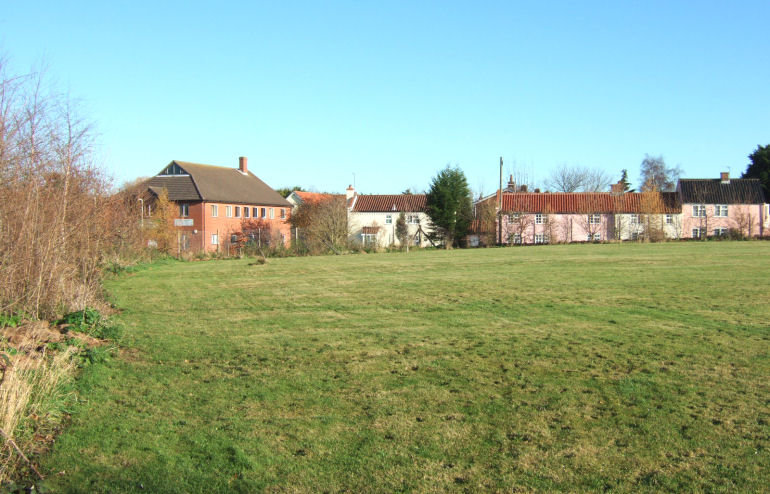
[[517, 238], [696, 233], [541, 219], [541, 238], [272, 213], [669, 219], [417, 239], [246, 212], [214, 211], [214, 239], [184, 210], [389, 219], [720, 210], [237, 211], [229, 211], [514, 216], [720, 232], [594, 219], [255, 212], [264, 212], [413, 219], [698, 210], [635, 219], [597, 237], [283, 214], [593, 237]]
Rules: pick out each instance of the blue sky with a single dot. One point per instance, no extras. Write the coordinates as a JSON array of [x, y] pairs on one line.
[[315, 92]]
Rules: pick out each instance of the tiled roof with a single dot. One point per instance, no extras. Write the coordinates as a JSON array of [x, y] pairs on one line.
[[217, 183], [373, 203], [590, 202], [314, 196], [370, 230], [713, 191], [179, 187]]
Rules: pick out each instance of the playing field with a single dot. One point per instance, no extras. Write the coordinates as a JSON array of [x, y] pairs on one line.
[[569, 368]]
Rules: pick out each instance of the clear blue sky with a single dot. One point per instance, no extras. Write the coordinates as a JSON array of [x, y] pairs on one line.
[[313, 92]]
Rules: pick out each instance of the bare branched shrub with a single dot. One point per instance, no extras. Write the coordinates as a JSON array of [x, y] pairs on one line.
[[322, 224], [52, 201]]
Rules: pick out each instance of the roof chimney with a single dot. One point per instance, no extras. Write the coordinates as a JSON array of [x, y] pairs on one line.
[[617, 189], [350, 192], [511, 185], [523, 187], [243, 164], [725, 176]]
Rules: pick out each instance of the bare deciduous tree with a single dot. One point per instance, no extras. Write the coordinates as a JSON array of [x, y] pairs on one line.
[[577, 179], [322, 225], [54, 228]]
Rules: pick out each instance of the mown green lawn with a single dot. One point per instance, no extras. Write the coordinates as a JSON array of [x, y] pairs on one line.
[[561, 368]]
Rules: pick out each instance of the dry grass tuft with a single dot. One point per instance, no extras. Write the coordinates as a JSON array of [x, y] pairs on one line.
[[27, 388]]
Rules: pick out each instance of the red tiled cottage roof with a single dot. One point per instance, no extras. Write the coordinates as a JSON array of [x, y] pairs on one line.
[[375, 203], [589, 202]]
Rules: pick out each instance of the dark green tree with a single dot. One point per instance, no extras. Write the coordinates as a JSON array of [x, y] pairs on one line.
[[625, 182], [402, 230], [285, 191], [760, 167], [449, 206]]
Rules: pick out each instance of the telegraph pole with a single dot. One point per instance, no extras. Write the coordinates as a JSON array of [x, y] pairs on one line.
[[500, 207]]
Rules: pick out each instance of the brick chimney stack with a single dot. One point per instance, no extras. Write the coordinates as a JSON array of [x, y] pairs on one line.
[[243, 164], [350, 192], [725, 176], [617, 189]]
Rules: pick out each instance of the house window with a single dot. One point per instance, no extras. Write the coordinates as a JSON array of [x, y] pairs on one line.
[[255, 212], [635, 219], [369, 238], [214, 211], [597, 237], [514, 216], [634, 235], [272, 214], [517, 239], [229, 211], [283, 214], [669, 219], [264, 212], [594, 219], [245, 212], [413, 219], [283, 237], [698, 210], [237, 211], [541, 238], [184, 210], [720, 210], [720, 232], [696, 233], [417, 239], [540, 219], [389, 219], [214, 239]]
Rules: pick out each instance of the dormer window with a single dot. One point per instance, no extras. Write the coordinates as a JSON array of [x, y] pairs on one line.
[[173, 169]]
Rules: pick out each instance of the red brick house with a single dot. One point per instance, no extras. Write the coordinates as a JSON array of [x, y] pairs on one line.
[[214, 201]]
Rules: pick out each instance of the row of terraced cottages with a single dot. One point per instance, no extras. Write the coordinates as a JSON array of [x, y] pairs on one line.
[[699, 208]]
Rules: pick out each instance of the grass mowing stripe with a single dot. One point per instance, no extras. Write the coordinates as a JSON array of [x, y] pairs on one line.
[[614, 367]]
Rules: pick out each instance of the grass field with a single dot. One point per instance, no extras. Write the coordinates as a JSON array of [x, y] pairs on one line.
[[575, 368]]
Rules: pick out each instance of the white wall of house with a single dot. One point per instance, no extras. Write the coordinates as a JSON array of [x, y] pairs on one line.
[[386, 236]]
